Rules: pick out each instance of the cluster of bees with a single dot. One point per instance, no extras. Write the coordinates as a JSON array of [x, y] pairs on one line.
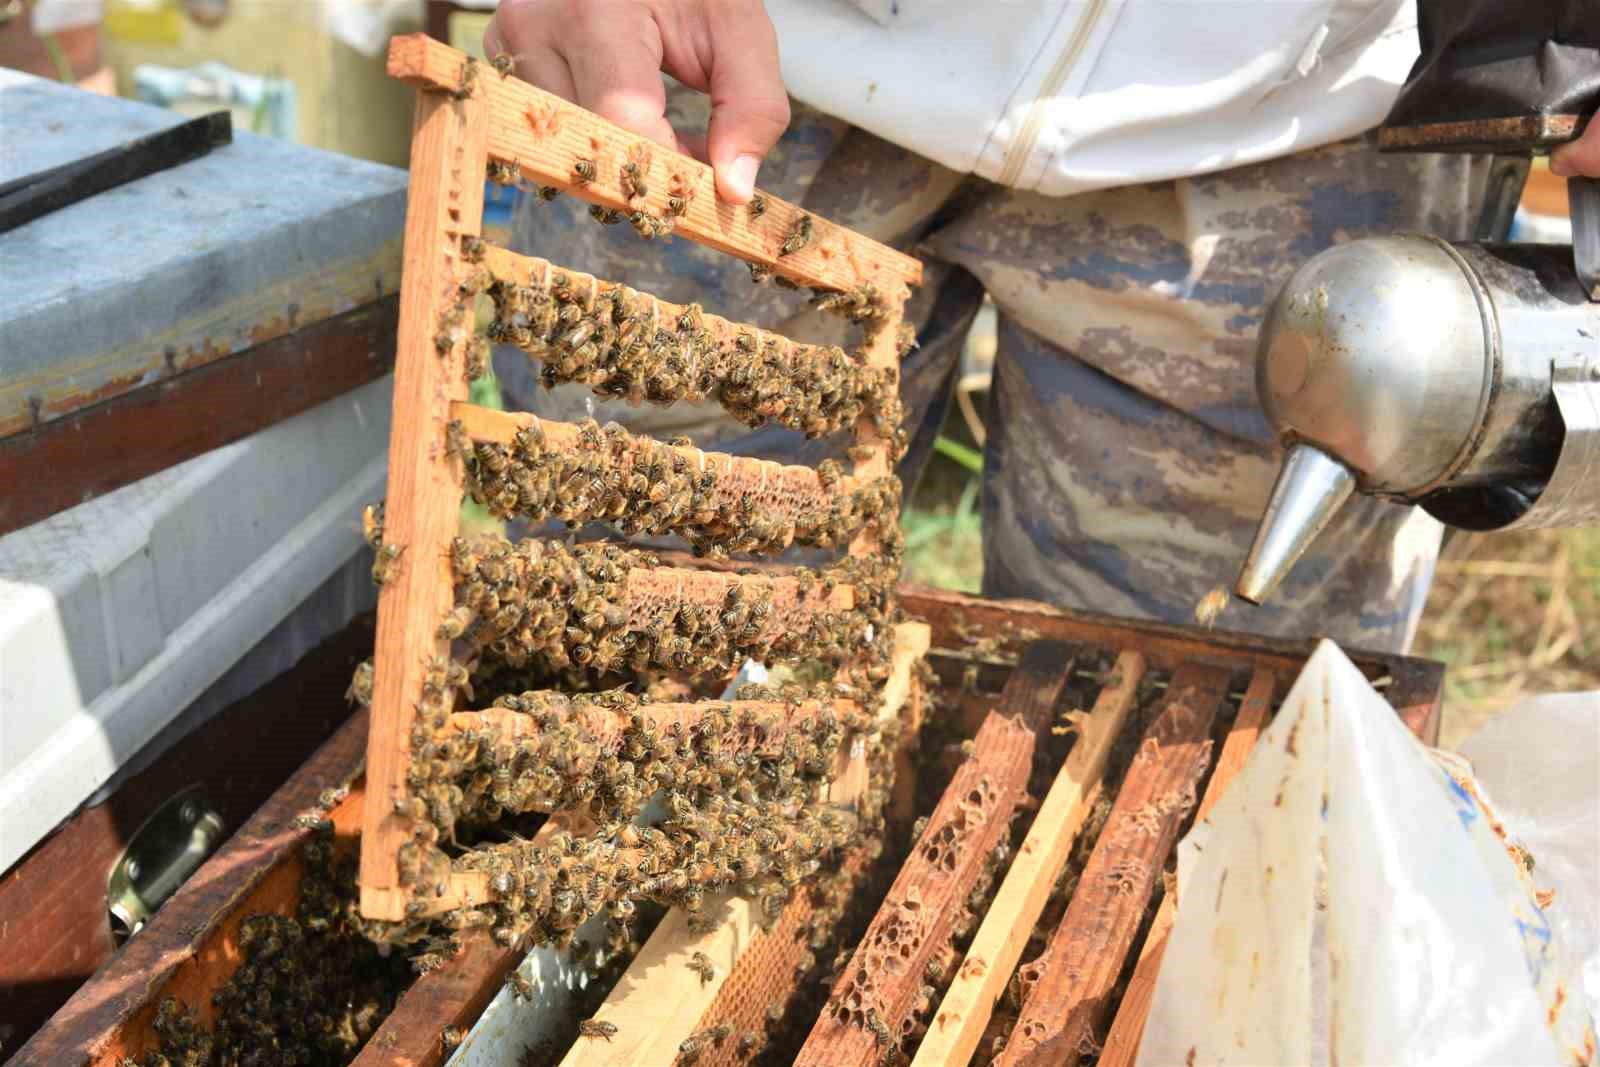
[[620, 343], [310, 988], [643, 486], [552, 605]]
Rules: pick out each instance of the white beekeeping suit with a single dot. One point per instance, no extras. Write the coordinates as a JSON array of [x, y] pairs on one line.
[[1067, 96]]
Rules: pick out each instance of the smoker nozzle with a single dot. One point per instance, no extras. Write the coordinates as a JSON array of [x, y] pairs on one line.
[[1310, 487]]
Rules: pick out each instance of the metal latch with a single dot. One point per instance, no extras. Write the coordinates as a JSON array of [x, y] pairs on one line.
[[164, 852]]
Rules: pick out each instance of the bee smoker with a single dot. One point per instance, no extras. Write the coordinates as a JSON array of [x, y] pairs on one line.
[[1461, 378]]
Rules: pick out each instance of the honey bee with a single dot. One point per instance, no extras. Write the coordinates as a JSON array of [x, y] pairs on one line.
[[632, 181], [1211, 607], [477, 361], [502, 173], [547, 193], [383, 565], [605, 216], [521, 985], [504, 64], [702, 966], [757, 206], [597, 1028], [451, 1036], [583, 172], [677, 206], [759, 272], [799, 236], [360, 691], [880, 1029], [472, 249], [469, 80]]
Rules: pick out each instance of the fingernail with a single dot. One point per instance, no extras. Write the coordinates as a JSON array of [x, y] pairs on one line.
[[741, 175]]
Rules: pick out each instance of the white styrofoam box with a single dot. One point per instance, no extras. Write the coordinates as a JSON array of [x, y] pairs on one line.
[[118, 613]]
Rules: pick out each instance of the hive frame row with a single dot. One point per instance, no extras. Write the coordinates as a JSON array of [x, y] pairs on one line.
[[469, 116]]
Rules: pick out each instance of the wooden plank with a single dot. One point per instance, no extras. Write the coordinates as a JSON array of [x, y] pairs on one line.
[[654, 590], [456, 992], [872, 1003], [1413, 689], [769, 972], [190, 947], [910, 645], [1122, 1043], [445, 203], [544, 136], [659, 1002], [1068, 988], [873, 456], [996, 948], [96, 449], [239, 757]]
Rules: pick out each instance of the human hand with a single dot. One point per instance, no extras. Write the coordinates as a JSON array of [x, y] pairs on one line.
[[608, 55], [1579, 158]]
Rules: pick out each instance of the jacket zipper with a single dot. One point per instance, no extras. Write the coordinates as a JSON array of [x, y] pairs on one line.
[[1022, 147]]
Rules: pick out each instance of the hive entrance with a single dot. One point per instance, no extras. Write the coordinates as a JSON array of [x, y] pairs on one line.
[[757, 788]]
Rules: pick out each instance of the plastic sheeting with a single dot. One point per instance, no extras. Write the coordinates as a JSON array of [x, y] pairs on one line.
[[1349, 901]]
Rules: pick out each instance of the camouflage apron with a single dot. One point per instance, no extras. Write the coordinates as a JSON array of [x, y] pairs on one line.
[[1127, 460]]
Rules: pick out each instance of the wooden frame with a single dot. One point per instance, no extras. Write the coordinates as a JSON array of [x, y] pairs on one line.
[[959, 1021], [470, 117], [1066, 989]]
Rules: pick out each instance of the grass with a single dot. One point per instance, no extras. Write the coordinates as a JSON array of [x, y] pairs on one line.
[[1512, 615]]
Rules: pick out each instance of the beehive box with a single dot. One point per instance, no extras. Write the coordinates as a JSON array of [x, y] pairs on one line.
[[192, 946]]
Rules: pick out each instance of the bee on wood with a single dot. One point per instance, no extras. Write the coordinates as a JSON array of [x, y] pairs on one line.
[[757, 206], [632, 181], [605, 216], [702, 966], [469, 80], [597, 1028], [677, 206], [502, 173], [799, 236], [383, 566], [477, 361], [451, 1036], [583, 172], [784, 283], [548, 193], [504, 64], [880, 1029]]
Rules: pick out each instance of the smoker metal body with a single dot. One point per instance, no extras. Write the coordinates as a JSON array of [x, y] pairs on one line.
[[1461, 378]]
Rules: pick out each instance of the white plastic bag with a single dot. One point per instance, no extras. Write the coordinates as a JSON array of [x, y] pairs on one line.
[[1540, 763], [1347, 902]]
